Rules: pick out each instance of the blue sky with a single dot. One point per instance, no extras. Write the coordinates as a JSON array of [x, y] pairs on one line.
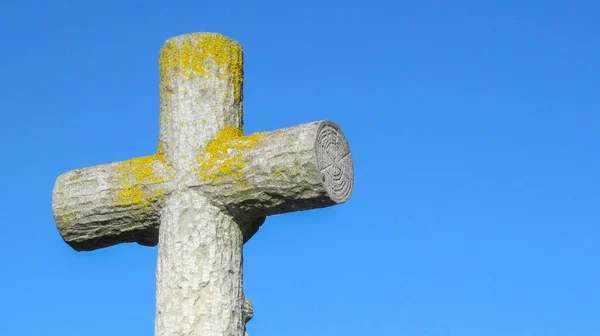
[[474, 131]]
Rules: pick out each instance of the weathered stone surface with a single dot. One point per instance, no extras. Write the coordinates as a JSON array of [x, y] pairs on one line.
[[206, 190], [247, 311], [298, 168], [199, 271], [109, 204]]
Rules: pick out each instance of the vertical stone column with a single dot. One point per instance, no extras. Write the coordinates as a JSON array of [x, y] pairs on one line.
[[199, 271]]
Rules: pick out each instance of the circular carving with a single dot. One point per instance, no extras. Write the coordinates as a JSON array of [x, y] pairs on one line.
[[334, 161]]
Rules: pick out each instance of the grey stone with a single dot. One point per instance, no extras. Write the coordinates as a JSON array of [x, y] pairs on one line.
[[206, 191]]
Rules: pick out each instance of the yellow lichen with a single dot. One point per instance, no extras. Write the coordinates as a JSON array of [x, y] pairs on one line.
[[204, 55], [223, 156], [135, 175], [277, 172], [225, 93], [74, 179], [186, 55], [190, 59], [64, 218], [296, 164], [160, 153], [168, 60]]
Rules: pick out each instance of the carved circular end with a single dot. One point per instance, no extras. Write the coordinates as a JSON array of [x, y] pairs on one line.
[[334, 161]]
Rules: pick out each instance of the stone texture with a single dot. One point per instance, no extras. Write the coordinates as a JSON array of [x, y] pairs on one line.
[[199, 271], [286, 170], [207, 189]]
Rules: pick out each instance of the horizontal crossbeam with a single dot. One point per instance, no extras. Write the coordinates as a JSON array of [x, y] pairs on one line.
[[250, 177]]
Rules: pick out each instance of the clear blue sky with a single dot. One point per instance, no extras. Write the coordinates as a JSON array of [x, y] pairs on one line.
[[473, 125]]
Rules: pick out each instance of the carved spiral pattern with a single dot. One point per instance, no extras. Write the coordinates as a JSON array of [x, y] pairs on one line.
[[335, 163]]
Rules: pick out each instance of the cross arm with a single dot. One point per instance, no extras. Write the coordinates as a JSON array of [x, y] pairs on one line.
[[291, 169], [104, 205]]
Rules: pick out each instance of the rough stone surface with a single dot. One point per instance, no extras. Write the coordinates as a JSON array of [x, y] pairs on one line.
[[199, 271], [282, 172], [207, 189]]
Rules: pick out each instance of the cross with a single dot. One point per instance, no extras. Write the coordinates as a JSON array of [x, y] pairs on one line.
[[207, 189]]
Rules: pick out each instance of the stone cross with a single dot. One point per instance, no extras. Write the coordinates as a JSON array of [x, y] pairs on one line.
[[207, 189]]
